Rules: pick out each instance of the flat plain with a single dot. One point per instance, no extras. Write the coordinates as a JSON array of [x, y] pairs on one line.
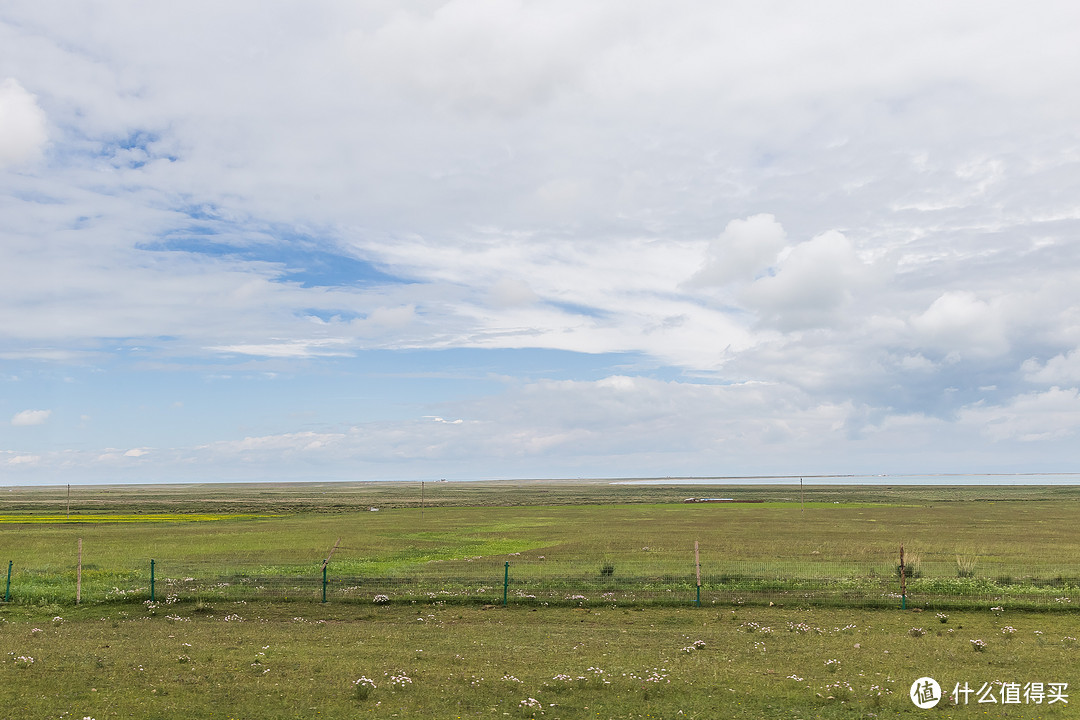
[[436, 648]]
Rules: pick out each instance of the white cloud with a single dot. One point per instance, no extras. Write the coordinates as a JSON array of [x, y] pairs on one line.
[[436, 418], [288, 349], [916, 362], [619, 425], [384, 320], [812, 284], [481, 55], [510, 292], [745, 249], [960, 323], [24, 460], [841, 211], [1040, 416], [22, 124], [552, 424], [31, 417], [1062, 369]]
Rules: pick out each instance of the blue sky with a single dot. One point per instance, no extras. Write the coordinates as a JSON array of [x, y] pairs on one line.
[[490, 238]]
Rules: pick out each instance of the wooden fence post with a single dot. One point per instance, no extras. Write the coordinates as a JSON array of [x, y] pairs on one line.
[[903, 581], [324, 564], [78, 576], [697, 566]]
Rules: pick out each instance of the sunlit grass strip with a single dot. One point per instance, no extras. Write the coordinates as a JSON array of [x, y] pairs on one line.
[[129, 518]]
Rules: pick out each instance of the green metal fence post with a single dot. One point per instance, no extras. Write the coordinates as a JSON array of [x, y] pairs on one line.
[[7, 593], [324, 583], [152, 597], [506, 581]]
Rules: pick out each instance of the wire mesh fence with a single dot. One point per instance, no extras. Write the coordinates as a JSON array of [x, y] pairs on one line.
[[619, 578]]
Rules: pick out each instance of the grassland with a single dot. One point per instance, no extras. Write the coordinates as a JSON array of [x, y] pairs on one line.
[[283, 660], [330, 498], [844, 538], [244, 653]]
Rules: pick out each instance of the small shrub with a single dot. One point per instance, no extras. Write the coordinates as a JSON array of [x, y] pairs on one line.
[[401, 681], [916, 632], [965, 565], [607, 569], [363, 687], [876, 696], [840, 690], [530, 704], [978, 645], [912, 567]]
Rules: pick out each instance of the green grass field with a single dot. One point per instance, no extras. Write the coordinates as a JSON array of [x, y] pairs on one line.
[[626, 648], [844, 538], [284, 660]]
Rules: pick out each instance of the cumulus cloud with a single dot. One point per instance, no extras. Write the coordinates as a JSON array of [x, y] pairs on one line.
[[31, 417], [22, 124], [1062, 369], [959, 323], [744, 250], [811, 285]]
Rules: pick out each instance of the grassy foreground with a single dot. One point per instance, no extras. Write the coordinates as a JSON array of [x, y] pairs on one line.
[[263, 660]]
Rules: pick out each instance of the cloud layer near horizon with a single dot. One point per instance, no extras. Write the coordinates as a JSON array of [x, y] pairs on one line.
[[852, 225]]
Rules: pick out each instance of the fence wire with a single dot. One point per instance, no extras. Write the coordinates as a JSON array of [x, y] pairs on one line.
[[614, 578]]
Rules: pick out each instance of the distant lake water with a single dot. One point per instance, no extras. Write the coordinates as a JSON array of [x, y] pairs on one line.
[[942, 479]]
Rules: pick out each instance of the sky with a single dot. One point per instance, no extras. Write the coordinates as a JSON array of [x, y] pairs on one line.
[[507, 239]]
